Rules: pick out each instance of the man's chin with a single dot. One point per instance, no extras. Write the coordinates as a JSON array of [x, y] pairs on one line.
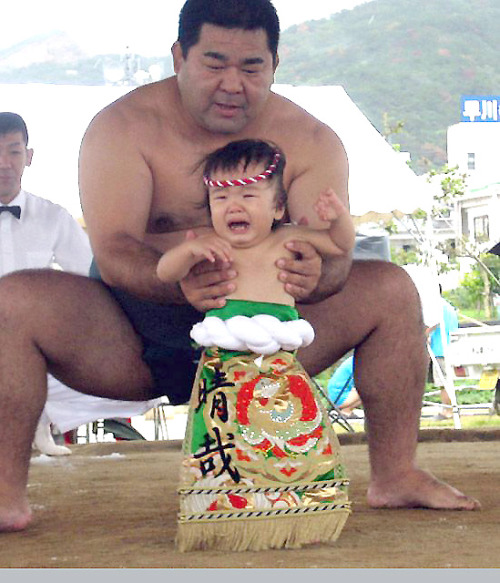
[[7, 195], [229, 126]]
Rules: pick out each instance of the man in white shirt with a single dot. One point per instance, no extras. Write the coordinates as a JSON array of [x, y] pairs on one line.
[[44, 234], [36, 233]]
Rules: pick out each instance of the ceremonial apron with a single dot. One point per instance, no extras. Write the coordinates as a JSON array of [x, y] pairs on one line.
[[261, 463]]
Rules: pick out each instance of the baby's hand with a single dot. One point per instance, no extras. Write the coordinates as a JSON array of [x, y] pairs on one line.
[[328, 206], [210, 247]]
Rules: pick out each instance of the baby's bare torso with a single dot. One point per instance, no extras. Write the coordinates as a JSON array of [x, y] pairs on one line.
[[257, 272]]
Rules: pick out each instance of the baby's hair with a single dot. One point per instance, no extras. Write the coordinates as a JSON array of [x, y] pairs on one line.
[[247, 152]]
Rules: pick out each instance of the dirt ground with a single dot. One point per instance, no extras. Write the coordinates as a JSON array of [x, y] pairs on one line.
[[114, 505]]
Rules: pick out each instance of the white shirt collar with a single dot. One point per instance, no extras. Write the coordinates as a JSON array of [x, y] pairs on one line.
[[19, 200]]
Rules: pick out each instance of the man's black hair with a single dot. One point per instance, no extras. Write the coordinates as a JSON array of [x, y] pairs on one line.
[[244, 14], [246, 152], [12, 122]]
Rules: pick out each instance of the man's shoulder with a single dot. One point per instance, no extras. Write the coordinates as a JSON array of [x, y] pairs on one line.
[[152, 96], [43, 205], [41, 201], [293, 123], [143, 108], [283, 106]]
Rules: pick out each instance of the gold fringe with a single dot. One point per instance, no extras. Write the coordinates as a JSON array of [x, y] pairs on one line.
[[259, 535]]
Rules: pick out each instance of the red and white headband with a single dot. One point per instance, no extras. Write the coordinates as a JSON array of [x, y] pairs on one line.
[[244, 181]]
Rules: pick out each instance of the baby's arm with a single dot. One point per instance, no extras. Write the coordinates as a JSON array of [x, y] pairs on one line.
[[176, 263], [337, 239], [341, 230]]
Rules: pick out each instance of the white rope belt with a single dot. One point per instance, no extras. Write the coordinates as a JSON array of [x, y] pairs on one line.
[[262, 334]]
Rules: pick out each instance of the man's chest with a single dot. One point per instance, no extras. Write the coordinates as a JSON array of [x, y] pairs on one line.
[[178, 200]]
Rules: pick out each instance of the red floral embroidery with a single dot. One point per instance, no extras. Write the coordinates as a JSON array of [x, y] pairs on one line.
[[300, 389], [245, 396], [303, 439], [264, 445], [237, 501], [242, 456], [278, 452]]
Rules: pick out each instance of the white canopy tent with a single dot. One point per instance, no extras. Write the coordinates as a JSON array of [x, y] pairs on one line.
[[380, 180], [57, 117]]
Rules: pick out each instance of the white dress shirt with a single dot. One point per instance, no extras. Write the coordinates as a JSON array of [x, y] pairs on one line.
[[46, 235]]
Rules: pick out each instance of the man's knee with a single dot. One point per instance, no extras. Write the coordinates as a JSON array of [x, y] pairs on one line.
[[386, 281], [15, 289], [34, 294]]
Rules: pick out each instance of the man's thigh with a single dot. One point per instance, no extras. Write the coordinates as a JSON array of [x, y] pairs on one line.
[[376, 292], [81, 331]]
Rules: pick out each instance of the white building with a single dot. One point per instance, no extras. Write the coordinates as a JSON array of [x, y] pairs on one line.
[[475, 148]]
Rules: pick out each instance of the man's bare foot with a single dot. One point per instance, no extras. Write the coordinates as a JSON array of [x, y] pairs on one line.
[[14, 520], [419, 489]]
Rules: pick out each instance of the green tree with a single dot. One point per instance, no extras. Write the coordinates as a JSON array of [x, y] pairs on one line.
[[404, 257], [482, 282]]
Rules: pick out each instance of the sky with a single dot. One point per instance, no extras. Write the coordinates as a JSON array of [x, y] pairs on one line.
[[148, 27]]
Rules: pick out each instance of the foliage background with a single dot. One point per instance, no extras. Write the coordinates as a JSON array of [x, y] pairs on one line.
[[411, 60]]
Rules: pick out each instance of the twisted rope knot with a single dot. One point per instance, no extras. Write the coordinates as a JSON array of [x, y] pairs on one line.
[[262, 334]]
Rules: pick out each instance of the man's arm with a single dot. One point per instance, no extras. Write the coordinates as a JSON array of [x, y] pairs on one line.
[[325, 166], [116, 190]]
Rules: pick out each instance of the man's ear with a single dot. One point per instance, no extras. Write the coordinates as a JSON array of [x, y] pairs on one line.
[[276, 63], [29, 156], [177, 56]]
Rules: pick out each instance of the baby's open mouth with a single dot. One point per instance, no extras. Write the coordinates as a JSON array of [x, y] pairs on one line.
[[238, 226]]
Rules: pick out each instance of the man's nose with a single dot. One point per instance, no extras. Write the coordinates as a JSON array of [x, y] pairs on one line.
[[231, 80], [4, 160]]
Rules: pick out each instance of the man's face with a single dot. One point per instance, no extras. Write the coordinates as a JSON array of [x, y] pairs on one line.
[[224, 80], [14, 157]]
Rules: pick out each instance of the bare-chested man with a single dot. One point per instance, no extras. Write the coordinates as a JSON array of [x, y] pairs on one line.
[[141, 189]]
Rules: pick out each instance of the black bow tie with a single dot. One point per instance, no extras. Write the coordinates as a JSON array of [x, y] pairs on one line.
[[15, 210]]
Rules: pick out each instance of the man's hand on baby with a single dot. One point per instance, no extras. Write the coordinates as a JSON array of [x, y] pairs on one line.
[[328, 206], [301, 273], [208, 284]]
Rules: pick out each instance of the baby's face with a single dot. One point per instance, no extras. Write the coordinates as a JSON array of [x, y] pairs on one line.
[[243, 215]]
